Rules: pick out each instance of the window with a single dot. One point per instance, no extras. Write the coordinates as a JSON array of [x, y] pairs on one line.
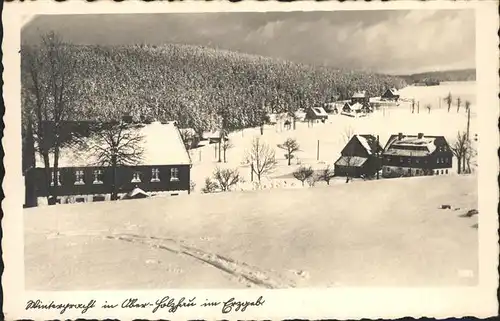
[[442, 172], [97, 176], [401, 160], [174, 174], [136, 177], [417, 172], [79, 177], [446, 171], [388, 169], [417, 161], [437, 160], [58, 178], [437, 172], [155, 175]]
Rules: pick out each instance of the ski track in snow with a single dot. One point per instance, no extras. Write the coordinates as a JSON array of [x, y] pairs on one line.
[[249, 275]]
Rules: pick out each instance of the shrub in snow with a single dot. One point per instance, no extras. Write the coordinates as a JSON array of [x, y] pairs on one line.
[[303, 173], [210, 186], [226, 178]]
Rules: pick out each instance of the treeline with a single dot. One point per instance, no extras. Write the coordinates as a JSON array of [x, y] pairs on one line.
[[440, 76], [201, 88]]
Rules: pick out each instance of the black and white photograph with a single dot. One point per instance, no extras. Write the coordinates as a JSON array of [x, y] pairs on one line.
[[253, 150]]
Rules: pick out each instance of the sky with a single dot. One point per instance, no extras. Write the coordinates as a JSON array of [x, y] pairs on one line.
[[389, 41]]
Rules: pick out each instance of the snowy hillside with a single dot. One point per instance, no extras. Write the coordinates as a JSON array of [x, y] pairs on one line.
[[385, 233], [331, 134]]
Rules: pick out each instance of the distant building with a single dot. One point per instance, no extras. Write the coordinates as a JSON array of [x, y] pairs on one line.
[[416, 155], [359, 157], [360, 97], [213, 136], [316, 113], [391, 94], [354, 110], [164, 169]]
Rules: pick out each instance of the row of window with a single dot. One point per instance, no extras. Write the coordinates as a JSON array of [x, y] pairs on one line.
[[421, 172], [442, 160], [98, 176]]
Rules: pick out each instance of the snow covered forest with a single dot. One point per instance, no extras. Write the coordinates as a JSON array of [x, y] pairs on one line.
[[201, 88]]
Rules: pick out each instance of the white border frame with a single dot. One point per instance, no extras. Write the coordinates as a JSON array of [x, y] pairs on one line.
[[342, 303]]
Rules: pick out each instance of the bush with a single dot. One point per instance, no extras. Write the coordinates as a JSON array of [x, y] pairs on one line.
[[210, 186], [303, 173]]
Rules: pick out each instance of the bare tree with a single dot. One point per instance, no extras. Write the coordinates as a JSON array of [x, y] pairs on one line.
[[459, 102], [290, 146], [226, 178], [226, 144], [469, 156], [347, 134], [467, 105], [261, 158], [303, 173], [413, 105], [459, 148], [210, 186], [326, 175], [48, 76], [449, 100], [113, 144]]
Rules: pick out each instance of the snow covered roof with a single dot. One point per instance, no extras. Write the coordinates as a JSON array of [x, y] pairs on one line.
[[135, 193], [162, 145], [411, 145], [351, 161], [356, 106], [319, 111], [369, 142], [393, 91], [359, 94]]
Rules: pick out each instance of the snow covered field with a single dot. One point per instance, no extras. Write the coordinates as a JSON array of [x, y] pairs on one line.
[[384, 233], [376, 233], [331, 134]]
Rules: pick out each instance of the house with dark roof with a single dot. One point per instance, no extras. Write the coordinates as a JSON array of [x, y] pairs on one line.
[[359, 157], [416, 155], [163, 168], [316, 113], [391, 94]]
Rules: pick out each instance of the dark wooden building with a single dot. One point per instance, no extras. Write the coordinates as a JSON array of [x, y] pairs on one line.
[[416, 155], [359, 157], [316, 113], [391, 94], [164, 168]]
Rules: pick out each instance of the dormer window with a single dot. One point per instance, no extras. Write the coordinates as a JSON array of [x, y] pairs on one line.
[[136, 177], [79, 177], [98, 177], [174, 174], [155, 175], [58, 174]]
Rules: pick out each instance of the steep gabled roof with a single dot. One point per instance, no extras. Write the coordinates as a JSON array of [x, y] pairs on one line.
[[369, 142]]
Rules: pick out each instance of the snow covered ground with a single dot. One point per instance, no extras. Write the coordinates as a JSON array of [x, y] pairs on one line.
[[385, 232], [331, 134], [376, 233]]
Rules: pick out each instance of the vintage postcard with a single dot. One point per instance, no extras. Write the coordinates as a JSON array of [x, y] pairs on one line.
[[250, 161]]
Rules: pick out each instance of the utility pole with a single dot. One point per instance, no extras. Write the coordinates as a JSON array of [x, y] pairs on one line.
[[251, 172], [317, 151], [378, 157], [468, 147]]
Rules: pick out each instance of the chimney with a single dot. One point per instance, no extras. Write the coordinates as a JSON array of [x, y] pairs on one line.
[[420, 135], [400, 136]]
